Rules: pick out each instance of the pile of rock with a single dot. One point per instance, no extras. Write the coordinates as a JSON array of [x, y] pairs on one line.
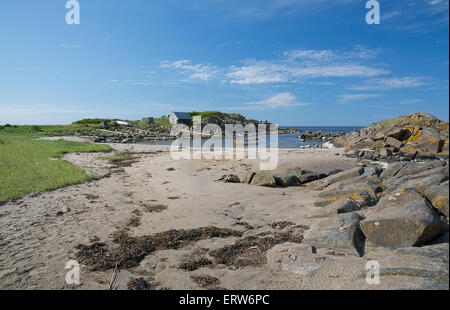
[[418, 134], [131, 135], [291, 178], [320, 135], [404, 205], [287, 131]]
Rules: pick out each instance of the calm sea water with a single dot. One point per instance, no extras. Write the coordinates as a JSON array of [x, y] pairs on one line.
[[289, 140]]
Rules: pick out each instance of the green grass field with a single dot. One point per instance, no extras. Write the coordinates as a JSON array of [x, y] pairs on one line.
[[31, 166]]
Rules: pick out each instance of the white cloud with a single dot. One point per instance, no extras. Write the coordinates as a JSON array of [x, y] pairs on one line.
[[391, 83], [355, 97], [280, 100], [358, 52], [310, 54], [63, 45], [194, 71], [290, 67], [410, 101]]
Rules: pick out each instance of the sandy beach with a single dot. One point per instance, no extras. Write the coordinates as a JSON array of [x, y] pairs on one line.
[[154, 194]]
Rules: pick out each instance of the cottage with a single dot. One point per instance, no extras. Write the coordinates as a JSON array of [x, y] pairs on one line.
[[148, 120], [179, 117]]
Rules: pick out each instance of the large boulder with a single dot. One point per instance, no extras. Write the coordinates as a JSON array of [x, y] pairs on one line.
[[285, 180], [414, 168], [420, 183], [430, 141], [393, 142], [247, 178], [263, 178], [337, 207], [351, 188], [438, 196], [402, 219], [340, 176], [393, 169], [340, 232], [307, 177]]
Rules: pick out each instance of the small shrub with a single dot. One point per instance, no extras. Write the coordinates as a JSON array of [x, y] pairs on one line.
[[95, 121]]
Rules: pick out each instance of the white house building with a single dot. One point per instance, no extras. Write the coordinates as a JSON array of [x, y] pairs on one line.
[[179, 117]]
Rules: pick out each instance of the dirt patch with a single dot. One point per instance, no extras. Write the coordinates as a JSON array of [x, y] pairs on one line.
[[195, 263], [154, 207], [130, 251], [252, 250], [205, 281]]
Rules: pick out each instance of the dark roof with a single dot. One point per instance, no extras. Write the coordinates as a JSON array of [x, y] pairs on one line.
[[182, 115]]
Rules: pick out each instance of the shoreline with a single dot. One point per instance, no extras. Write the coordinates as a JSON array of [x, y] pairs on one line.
[[151, 197]]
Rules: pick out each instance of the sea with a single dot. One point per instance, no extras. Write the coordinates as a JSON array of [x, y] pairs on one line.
[[286, 141]]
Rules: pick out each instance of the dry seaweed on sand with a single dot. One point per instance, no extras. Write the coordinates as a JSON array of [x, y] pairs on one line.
[[141, 284], [134, 221], [129, 251], [195, 263], [205, 281], [252, 250], [154, 207], [281, 225], [244, 224]]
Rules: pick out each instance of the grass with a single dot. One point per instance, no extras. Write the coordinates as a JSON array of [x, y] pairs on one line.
[[164, 122], [31, 166], [49, 130]]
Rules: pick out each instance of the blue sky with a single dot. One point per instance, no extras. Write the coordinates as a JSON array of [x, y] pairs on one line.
[[293, 62]]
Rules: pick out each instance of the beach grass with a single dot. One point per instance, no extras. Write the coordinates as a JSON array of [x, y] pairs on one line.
[[48, 130], [31, 166]]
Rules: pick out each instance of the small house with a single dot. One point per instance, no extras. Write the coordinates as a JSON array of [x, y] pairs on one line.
[[180, 118], [148, 120]]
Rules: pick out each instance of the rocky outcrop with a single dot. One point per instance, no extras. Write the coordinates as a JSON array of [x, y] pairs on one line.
[[418, 134], [320, 135], [340, 232], [402, 219], [286, 180], [337, 207], [287, 131], [292, 178], [438, 196], [130, 135], [263, 178], [404, 204]]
